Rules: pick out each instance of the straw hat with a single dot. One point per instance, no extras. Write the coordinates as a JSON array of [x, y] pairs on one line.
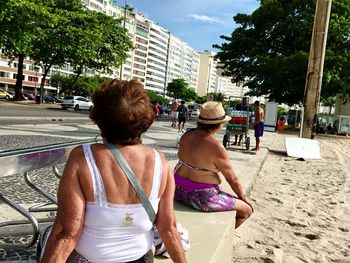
[[212, 112]]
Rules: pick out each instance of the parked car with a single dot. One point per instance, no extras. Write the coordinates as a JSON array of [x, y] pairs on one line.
[[76, 102], [194, 113], [165, 109], [29, 96], [49, 99], [57, 99], [5, 95]]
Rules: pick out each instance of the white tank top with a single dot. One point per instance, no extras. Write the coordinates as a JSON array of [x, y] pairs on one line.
[[116, 232]]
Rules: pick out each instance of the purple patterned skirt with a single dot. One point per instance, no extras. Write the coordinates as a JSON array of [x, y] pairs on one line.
[[201, 196]]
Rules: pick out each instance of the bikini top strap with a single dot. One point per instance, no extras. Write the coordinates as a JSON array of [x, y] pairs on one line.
[[180, 163]]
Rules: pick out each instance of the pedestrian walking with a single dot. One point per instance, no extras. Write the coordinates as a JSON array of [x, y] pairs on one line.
[[174, 113], [183, 115]]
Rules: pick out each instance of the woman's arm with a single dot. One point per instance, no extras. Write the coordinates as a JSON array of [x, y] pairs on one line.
[[70, 214], [165, 222], [223, 163]]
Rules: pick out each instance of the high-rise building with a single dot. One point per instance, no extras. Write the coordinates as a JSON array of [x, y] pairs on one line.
[[225, 85], [207, 73], [183, 62], [157, 58]]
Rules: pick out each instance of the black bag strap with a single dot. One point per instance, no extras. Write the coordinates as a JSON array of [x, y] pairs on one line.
[[133, 181]]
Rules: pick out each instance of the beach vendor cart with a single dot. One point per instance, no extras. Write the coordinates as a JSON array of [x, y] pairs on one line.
[[239, 124]]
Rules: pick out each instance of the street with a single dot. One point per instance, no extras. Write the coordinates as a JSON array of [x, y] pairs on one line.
[[25, 126]]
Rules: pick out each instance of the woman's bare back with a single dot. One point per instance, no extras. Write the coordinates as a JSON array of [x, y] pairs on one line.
[[198, 149]]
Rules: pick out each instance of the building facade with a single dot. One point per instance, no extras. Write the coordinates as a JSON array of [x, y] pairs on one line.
[[183, 62], [31, 75], [207, 73], [225, 85]]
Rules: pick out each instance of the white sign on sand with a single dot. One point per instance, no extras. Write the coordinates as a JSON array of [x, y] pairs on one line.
[[302, 148]]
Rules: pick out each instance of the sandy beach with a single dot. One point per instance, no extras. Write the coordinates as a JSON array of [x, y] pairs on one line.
[[302, 209]]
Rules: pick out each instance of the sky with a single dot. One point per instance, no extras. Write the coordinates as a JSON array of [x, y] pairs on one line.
[[199, 23]]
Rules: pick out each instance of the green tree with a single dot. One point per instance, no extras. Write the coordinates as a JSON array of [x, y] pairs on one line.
[[176, 88], [200, 100], [270, 49], [154, 97], [22, 24], [108, 48], [218, 96], [84, 85], [179, 89], [329, 101], [189, 95], [83, 38]]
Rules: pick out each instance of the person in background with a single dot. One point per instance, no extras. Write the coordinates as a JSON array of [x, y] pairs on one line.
[[243, 106], [174, 113], [281, 123], [258, 124], [157, 110], [183, 115], [100, 217], [201, 159]]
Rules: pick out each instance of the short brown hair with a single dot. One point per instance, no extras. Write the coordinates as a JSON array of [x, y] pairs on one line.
[[122, 111], [208, 127]]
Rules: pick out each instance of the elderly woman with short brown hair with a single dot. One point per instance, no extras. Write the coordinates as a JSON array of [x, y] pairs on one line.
[[201, 159], [100, 217]]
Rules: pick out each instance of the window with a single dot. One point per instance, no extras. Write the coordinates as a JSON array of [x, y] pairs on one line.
[[4, 74], [34, 79], [15, 65], [15, 76]]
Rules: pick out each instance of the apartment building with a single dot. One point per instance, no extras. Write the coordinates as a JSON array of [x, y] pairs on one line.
[[157, 58], [225, 85], [183, 62], [207, 73], [147, 61], [31, 75]]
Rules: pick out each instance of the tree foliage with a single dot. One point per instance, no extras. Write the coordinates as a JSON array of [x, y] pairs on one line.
[[179, 89], [269, 50], [21, 24], [154, 97], [82, 38], [58, 32], [83, 85]]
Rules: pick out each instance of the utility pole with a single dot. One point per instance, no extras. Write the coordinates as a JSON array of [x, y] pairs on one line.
[[315, 68], [121, 65]]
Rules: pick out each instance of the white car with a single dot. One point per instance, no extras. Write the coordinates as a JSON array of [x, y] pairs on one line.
[[77, 103], [194, 113]]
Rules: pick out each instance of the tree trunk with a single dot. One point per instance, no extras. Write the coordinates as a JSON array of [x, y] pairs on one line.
[[19, 79], [79, 71], [42, 83]]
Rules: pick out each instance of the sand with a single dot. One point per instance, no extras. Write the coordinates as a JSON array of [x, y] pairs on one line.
[[302, 209]]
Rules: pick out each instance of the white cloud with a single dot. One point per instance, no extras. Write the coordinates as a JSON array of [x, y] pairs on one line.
[[204, 18]]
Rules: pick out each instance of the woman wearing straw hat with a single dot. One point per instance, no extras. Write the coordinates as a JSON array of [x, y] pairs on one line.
[[201, 158]]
